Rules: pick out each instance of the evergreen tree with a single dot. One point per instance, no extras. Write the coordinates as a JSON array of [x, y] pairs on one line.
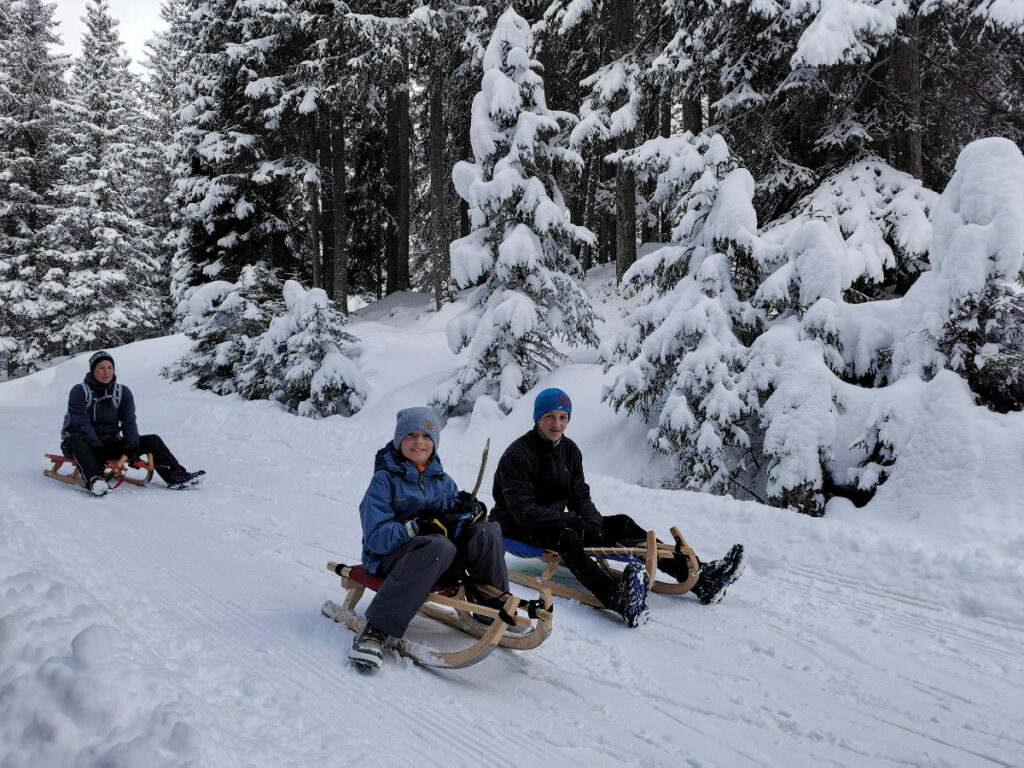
[[234, 172], [684, 349], [98, 285], [965, 314], [32, 89], [225, 322], [163, 94], [304, 359], [530, 292]]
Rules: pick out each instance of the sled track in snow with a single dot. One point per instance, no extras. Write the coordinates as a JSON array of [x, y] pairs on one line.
[[188, 605], [913, 616]]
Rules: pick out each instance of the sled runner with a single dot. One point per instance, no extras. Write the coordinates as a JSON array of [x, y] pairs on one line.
[[648, 553], [114, 472], [520, 624]]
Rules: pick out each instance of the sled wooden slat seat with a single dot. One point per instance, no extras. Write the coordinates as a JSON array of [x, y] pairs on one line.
[[114, 472], [528, 630], [647, 553]]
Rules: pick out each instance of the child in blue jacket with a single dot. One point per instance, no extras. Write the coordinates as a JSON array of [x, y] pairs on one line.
[[417, 527]]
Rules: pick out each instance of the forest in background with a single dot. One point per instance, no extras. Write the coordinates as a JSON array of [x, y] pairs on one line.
[[284, 156]]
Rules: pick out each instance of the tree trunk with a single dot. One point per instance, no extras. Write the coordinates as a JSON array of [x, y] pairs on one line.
[[665, 214], [693, 114], [313, 201], [437, 184], [625, 178], [341, 209], [398, 178], [625, 215], [907, 78], [327, 199]]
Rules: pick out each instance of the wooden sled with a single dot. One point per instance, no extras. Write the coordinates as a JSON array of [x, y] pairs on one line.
[[531, 620], [648, 553], [114, 472]]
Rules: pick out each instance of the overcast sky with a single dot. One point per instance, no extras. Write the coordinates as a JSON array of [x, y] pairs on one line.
[[139, 20]]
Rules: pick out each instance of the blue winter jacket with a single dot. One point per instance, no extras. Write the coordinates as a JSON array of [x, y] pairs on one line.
[[101, 422], [397, 493]]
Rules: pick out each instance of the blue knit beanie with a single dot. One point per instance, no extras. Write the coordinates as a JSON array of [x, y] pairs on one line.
[[422, 419], [551, 400]]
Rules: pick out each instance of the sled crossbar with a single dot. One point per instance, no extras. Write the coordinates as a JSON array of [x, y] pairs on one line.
[[530, 624], [114, 472], [648, 553]]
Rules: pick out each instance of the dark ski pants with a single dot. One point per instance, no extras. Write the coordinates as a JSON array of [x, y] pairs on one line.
[[90, 459], [412, 570], [618, 530]]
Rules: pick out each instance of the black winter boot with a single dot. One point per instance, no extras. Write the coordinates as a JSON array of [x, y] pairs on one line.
[[182, 478], [629, 599], [367, 653], [717, 575]]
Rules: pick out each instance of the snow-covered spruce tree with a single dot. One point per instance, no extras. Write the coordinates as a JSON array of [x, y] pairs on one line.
[[163, 95], [736, 364], [232, 191], [802, 89], [305, 359], [842, 242], [966, 313], [32, 89], [680, 352], [98, 285], [225, 321], [530, 292]]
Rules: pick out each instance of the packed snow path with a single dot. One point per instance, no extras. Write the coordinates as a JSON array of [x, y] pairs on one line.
[[153, 627]]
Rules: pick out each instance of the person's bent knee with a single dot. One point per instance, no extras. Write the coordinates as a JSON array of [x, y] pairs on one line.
[[487, 530], [436, 543], [570, 541]]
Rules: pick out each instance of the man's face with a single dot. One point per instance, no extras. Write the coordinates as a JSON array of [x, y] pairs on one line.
[[553, 423], [103, 372]]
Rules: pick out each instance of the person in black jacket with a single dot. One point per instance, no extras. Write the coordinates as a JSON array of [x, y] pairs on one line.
[[99, 425], [541, 497]]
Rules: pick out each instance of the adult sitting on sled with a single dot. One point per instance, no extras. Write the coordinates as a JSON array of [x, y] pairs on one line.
[[100, 425], [541, 497], [417, 528]]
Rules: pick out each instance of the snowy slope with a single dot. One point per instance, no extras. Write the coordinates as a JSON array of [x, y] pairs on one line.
[[154, 628]]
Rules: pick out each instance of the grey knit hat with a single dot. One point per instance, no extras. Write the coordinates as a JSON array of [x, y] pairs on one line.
[[98, 358], [422, 419]]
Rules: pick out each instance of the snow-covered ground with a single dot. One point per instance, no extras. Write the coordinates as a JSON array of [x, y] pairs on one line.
[[153, 628]]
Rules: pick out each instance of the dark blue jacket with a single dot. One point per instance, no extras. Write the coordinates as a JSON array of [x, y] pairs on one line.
[[539, 482], [101, 422], [398, 493]]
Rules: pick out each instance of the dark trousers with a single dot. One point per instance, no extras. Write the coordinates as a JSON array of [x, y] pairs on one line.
[[618, 530], [90, 460], [412, 570]]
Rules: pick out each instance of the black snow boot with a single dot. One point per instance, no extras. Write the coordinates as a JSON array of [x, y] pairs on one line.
[[717, 575], [629, 599], [367, 652], [181, 478]]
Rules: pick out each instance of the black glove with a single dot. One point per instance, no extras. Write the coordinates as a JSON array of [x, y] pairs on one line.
[[425, 526], [475, 508], [591, 531]]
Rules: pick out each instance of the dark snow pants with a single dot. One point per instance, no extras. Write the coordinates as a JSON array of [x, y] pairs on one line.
[[565, 540], [90, 460], [412, 570]]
